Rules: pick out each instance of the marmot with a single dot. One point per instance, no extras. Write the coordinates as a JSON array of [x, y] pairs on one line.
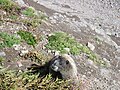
[[64, 65]]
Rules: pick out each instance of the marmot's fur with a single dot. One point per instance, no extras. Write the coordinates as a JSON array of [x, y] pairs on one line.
[[64, 65]]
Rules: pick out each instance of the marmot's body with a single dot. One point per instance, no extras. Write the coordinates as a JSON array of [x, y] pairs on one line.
[[65, 65]]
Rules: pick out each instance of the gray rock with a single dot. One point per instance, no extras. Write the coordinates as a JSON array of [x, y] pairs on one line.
[[118, 49], [117, 58], [23, 52], [91, 46], [19, 64], [2, 54], [17, 47], [21, 2], [2, 12]]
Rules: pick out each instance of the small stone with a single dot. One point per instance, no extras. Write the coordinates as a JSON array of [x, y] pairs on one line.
[[53, 21], [57, 53], [50, 34], [16, 47], [2, 12], [107, 62], [21, 3], [48, 51], [2, 54], [67, 49], [43, 47], [117, 57], [92, 63], [19, 64], [91, 46], [118, 49], [23, 52]]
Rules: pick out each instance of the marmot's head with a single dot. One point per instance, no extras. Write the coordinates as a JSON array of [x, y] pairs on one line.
[[65, 65], [59, 64]]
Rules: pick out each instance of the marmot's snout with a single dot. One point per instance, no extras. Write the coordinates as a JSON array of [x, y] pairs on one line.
[[54, 67]]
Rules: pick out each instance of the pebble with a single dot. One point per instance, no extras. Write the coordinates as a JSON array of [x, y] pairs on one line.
[[2, 54], [2, 12], [53, 21], [91, 46], [107, 62], [17, 47], [21, 2], [23, 52], [67, 49], [118, 49], [19, 64]]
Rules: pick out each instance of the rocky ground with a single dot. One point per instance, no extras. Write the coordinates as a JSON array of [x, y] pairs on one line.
[[94, 23]]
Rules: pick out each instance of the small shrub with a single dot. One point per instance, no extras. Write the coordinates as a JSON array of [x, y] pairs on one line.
[[8, 40], [35, 20], [14, 17], [61, 40], [32, 23], [37, 57], [1, 60], [30, 12], [28, 37], [34, 17], [9, 6], [13, 80]]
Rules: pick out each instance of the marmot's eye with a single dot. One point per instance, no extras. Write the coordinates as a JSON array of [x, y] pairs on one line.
[[67, 62]]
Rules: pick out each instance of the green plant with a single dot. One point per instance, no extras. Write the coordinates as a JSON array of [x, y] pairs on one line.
[[32, 22], [28, 37], [98, 41], [9, 6], [13, 80], [34, 17], [1, 60], [37, 57], [60, 40], [30, 12], [8, 40], [14, 17]]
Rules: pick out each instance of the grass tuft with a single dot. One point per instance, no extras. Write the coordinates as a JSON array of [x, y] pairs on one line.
[[9, 6], [12, 80], [28, 37], [60, 40], [8, 40], [30, 12]]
